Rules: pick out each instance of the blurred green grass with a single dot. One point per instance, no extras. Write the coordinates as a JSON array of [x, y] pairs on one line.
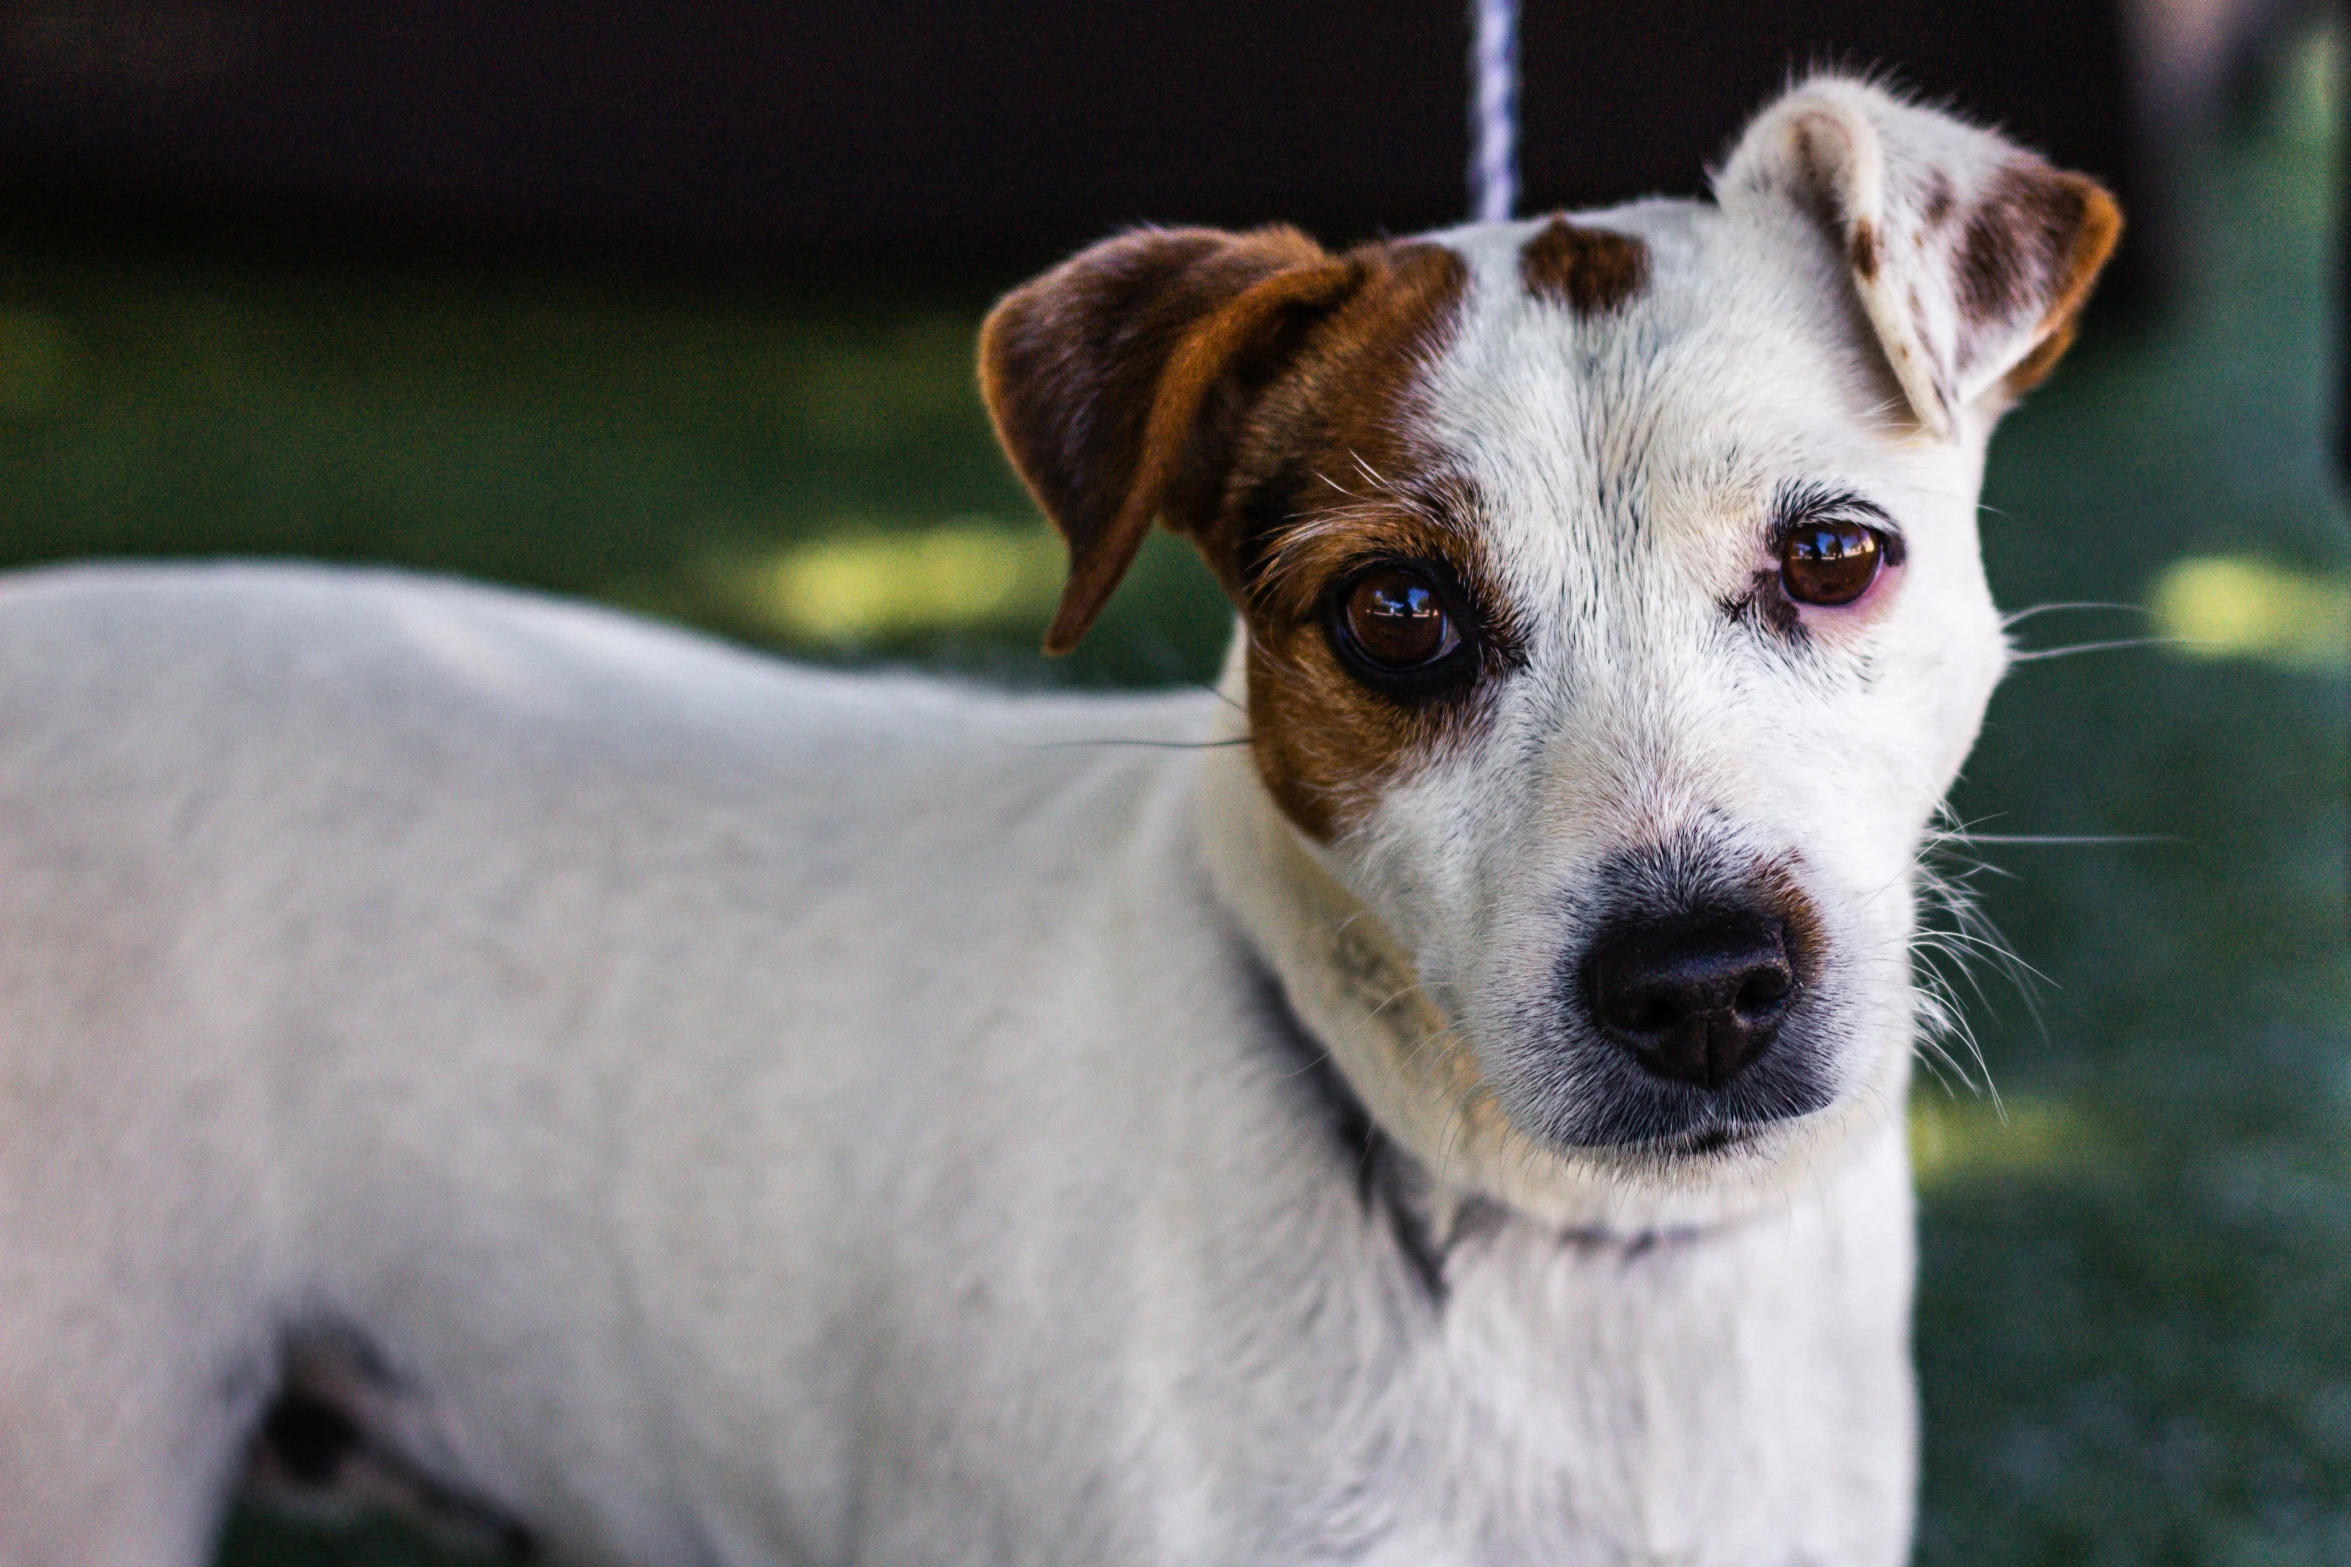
[[2135, 1312], [659, 453], [2142, 1353]]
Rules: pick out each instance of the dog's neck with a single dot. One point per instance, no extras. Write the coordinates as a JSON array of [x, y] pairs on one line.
[[1358, 993]]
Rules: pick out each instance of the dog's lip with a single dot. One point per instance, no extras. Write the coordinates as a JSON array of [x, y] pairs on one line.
[[1701, 1142]]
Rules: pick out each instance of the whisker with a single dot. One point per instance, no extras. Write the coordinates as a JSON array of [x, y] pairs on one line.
[[2019, 617], [1154, 745], [1940, 1060], [2034, 839], [1949, 1020], [1997, 950], [1949, 952], [2038, 655]]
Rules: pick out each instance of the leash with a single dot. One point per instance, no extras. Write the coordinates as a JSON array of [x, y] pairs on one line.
[[1493, 110]]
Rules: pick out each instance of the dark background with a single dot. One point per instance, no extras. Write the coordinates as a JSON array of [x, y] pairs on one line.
[[940, 137]]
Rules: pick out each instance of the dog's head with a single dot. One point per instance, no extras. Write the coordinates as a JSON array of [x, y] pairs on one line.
[[1613, 619]]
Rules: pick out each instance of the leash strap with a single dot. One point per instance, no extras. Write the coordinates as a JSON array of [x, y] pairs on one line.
[[1493, 110]]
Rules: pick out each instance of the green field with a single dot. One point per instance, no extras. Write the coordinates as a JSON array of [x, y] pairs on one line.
[[2135, 1321]]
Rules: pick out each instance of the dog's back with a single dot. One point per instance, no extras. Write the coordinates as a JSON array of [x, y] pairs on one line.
[[515, 939]]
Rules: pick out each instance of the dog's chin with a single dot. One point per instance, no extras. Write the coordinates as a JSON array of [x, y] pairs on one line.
[[1701, 1145]]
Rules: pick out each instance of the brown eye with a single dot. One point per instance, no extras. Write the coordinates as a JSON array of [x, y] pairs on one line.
[[1396, 621], [1831, 562]]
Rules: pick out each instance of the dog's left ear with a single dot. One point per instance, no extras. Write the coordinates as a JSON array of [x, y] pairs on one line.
[[1117, 382], [1971, 256]]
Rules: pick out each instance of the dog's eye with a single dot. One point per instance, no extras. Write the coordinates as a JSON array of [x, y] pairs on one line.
[[1830, 562], [1395, 620]]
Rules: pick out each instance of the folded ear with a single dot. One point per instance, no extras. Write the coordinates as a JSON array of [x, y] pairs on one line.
[[1117, 383], [1972, 257]]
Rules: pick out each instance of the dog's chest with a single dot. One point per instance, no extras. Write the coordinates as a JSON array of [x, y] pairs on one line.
[[1735, 1400]]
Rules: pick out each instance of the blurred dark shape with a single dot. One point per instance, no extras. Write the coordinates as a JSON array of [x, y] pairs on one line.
[[947, 136], [944, 136], [952, 138]]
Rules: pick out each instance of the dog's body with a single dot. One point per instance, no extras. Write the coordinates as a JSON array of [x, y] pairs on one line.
[[613, 1035], [694, 1110]]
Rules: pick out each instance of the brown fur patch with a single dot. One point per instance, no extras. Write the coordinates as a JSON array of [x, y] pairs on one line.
[[1940, 199], [1111, 381], [1807, 938], [1326, 744], [2092, 241], [2020, 237], [1333, 475], [1261, 396], [1588, 270], [1821, 149], [1863, 248]]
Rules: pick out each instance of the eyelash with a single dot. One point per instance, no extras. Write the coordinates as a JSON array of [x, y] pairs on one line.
[[1808, 505]]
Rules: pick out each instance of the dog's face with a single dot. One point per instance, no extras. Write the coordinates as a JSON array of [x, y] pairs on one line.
[[1614, 617]]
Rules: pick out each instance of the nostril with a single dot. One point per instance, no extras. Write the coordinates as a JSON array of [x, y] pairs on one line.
[[1695, 997], [1766, 988]]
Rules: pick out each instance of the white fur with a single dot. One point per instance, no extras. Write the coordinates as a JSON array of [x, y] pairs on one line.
[[706, 1111]]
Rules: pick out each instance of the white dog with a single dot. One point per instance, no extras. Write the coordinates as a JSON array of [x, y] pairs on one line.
[[1438, 1101]]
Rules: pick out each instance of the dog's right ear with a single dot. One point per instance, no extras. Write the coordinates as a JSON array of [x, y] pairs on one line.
[[1971, 256], [1118, 380]]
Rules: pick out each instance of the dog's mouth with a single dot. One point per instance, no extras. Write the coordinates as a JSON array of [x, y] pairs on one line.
[[1705, 1141], [1617, 1109], [1719, 1142]]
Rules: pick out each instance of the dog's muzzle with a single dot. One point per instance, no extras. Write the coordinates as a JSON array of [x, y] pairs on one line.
[[1687, 1010]]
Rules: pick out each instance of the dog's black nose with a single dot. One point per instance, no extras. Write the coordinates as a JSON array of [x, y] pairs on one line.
[[1695, 997]]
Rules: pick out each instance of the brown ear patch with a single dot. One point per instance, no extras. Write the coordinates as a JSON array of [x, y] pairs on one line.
[[2040, 233], [1864, 250], [2074, 255], [1111, 378], [2020, 237], [1589, 270], [1935, 207], [1969, 254]]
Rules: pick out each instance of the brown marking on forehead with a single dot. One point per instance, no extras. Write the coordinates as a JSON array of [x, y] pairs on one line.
[[1336, 471], [1588, 270]]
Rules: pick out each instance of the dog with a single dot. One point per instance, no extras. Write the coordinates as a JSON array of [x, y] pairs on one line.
[[1436, 1099]]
